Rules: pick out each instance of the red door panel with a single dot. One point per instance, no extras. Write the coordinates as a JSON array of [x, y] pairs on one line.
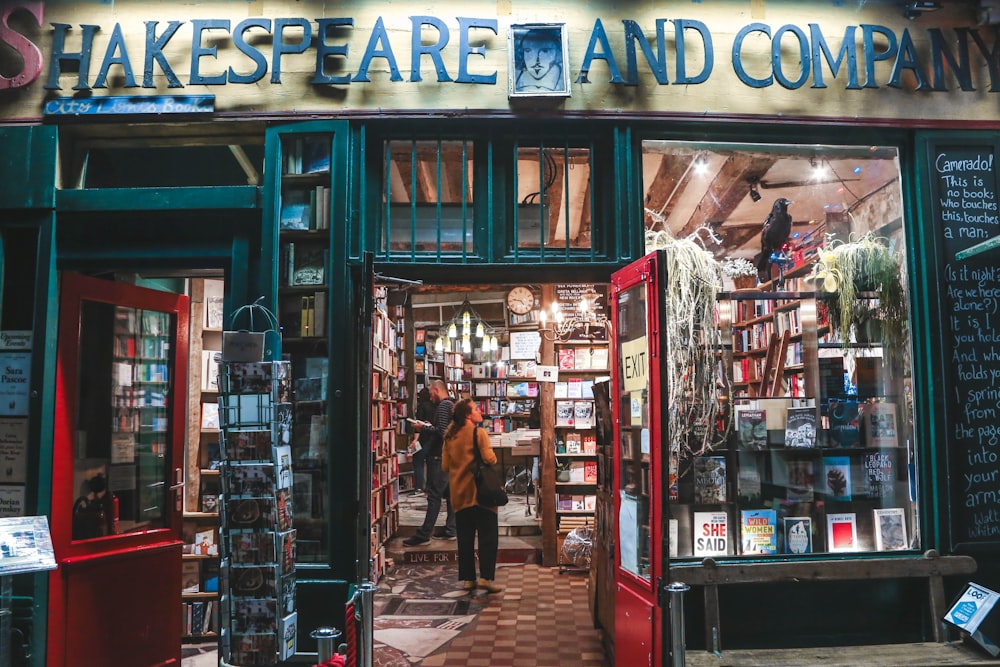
[[121, 386]]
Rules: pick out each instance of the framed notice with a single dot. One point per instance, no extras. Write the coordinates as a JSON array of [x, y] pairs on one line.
[[524, 344], [15, 383], [13, 450]]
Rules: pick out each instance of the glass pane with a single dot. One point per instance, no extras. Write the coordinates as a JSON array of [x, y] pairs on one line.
[[553, 184], [428, 197], [815, 451], [122, 420], [304, 320], [633, 462]]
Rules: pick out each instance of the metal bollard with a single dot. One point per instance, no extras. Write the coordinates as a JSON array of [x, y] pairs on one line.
[[326, 642], [365, 610], [677, 641]]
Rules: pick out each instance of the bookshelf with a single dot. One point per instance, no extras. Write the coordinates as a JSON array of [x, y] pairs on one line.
[[203, 485], [385, 418], [303, 276], [580, 364]]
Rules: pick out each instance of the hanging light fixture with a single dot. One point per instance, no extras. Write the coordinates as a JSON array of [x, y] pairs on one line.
[[470, 321], [439, 344]]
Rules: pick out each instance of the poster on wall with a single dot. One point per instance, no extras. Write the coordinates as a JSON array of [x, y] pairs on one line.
[[15, 368], [524, 344], [15, 339], [13, 450], [11, 501]]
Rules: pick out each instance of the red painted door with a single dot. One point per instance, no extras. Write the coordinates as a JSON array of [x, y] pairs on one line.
[[116, 500], [638, 478]]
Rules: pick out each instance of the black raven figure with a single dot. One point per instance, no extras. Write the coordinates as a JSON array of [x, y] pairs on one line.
[[777, 228]]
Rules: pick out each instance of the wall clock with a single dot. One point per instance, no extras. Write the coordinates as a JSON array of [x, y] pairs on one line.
[[520, 300]]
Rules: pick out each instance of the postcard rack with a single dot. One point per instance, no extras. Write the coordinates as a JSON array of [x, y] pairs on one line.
[[257, 566]]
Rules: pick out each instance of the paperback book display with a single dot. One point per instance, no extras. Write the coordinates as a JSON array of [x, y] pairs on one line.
[[257, 624]]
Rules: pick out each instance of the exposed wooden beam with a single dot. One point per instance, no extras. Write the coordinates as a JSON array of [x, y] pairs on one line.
[[730, 186]]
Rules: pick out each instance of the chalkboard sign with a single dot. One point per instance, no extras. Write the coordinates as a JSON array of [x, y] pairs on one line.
[[966, 212], [569, 296]]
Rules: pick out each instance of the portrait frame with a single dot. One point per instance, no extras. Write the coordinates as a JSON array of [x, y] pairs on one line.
[[546, 81]]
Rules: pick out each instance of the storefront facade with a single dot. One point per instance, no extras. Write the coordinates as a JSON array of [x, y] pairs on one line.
[[118, 124]]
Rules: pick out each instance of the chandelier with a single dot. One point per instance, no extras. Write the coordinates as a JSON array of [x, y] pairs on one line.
[[586, 323], [466, 325]]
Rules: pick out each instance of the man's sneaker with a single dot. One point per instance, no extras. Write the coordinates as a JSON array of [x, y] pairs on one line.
[[415, 540], [441, 535]]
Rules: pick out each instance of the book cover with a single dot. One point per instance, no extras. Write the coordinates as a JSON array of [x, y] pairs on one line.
[[209, 416], [564, 413], [880, 425], [567, 359], [561, 390], [837, 477], [599, 358], [800, 427], [758, 532], [842, 532], [590, 472], [845, 429], [204, 543], [751, 428], [801, 481], [209, 489], [748, 483], [574, 388], [583, 414], [709, 480], [880, 475], [890, 529], [583, 358], [711, 535], [310, 265], [798, 535], [190, 576]]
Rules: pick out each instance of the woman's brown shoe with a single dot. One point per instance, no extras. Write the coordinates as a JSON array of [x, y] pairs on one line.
[[490, 586]]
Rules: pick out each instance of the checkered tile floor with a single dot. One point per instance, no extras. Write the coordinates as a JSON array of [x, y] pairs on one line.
[[541, 619]]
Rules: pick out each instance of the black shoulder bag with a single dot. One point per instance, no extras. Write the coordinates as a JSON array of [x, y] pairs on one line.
[[489, 478]]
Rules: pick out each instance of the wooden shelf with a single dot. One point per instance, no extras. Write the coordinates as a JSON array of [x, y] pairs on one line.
[[200, 595], [204, 516]]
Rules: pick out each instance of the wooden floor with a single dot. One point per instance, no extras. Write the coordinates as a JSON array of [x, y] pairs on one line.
[[887, 655]]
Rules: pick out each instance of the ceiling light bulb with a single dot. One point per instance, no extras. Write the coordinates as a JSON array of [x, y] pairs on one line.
[[466, 346], [439, 344], [452, 331], [493, 344], [480, 332]]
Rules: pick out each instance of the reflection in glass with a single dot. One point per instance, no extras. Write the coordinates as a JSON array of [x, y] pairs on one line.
[[634, 475], [121, 472]]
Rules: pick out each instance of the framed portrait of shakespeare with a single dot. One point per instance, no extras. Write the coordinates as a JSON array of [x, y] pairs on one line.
[[538, 60]]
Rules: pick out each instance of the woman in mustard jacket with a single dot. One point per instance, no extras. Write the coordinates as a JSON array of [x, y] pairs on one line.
[[457, 459]]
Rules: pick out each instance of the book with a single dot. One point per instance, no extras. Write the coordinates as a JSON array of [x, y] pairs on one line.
[[599, 358], [837, 477], [560, 390], [567, 359], [880, 475], [209, 489], [798, 535], [564, 413], [800, 427], [801, 481], [890, 529], [842, 531], [709, 480], [758, 532], [574, 388], [583, 359], [880, 425], [310, 265], [214, 309], [583, 414], [845, 429], [210, 370], [751, 428], [209, 416], [204, 543], [190, 576], [711, 535]]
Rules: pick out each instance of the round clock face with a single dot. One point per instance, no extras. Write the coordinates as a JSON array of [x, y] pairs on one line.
[[520, 300]]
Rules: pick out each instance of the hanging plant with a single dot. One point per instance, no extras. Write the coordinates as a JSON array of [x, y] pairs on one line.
[[694, 280], [865, 278]]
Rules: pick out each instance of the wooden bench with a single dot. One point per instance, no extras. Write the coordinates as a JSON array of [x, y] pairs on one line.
[[710, 575]]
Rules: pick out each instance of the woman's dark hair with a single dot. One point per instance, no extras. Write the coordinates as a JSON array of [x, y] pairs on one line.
[[459, 415], [424, 394]]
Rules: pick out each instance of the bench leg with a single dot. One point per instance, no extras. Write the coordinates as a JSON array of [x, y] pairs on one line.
[[713, 638], [935, 588]]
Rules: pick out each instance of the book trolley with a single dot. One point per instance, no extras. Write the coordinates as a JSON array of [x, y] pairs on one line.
[[257, 558]]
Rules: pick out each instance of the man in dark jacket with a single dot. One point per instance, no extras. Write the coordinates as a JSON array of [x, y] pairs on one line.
[[436, 486], [424, 413]]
